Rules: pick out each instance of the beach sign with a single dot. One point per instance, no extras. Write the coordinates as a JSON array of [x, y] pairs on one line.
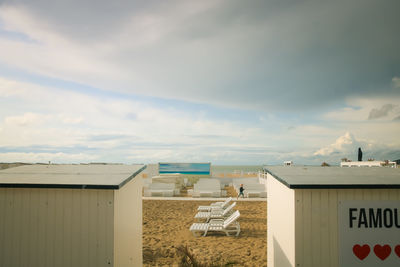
[[185, 168], [369, 233]]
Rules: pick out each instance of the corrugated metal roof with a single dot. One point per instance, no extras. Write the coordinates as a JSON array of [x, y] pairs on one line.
[[336, 177], [90, 176]]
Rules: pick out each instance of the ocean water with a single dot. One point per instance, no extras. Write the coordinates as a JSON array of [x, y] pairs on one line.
[[235, 168]]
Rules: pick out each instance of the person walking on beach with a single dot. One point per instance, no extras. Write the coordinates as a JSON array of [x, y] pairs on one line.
[[241, 189]]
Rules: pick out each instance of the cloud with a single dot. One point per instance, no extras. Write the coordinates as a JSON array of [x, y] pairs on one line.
[[359, 109], [93, 126], [343, 144], [10, 88], [382, 112], [101, 128], [347, 146], [396, 82], [70, 120], [25, 119], [260, 55], [46, 157], [347, 114]]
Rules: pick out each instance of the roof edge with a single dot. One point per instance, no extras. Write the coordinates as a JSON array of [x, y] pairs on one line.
[[131, 177], [61, 186], [73, 186], [332, 186]]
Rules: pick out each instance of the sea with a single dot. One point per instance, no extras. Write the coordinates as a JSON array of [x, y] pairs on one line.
[[152, 169], [235, 168]]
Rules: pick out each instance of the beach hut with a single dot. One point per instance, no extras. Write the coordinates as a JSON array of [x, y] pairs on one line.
[[333, 216], [71, 215]]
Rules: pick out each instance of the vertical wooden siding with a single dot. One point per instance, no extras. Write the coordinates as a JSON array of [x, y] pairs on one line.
[[56, 227], [316, 219], [128, 225]]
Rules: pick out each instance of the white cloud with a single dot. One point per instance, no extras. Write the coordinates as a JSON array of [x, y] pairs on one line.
[[26, 119], [10, 88], [115, 128], [70, 120], [46, 157], [347, 146], [93, 126], [342, 144]]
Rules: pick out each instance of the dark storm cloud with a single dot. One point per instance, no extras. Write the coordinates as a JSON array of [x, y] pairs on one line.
[[86, 20], [281, 55]]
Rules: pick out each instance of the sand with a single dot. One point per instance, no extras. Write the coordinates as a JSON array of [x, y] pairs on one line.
[[166, 226]]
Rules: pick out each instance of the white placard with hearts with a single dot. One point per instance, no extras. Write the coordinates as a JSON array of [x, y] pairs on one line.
[[369, 233]]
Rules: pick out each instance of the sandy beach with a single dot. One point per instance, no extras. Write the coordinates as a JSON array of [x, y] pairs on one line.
[[166, 227]]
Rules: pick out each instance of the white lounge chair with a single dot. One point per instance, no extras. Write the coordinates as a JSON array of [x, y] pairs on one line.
[[207, 188], [228, 226], [251, 189], [215, 213], [161, 189], [220, 205]]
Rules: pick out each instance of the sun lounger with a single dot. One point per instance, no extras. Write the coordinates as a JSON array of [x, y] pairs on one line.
[[251, 189], [252, 194], [228, 226], [207, 187], [216, 213], [161, 189], [206, 194], [220, 205]]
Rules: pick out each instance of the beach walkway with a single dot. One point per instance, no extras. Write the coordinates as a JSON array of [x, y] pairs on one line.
[[203, 199]]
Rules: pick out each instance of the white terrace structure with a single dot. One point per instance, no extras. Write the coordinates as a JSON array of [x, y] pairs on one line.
[[374, 163]]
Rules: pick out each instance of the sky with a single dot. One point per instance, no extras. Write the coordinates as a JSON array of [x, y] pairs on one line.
[[222, 81]]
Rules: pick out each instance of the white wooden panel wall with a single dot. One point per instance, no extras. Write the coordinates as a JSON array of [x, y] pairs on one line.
[[128, 225], [281, 228], [317, 222], [56, 227]]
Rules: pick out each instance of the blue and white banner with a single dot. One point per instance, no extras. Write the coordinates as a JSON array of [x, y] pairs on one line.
[[185, 168]]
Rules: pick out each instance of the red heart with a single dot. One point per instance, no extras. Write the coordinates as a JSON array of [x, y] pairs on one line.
[[361, 251], [382, 251], [397, 250]]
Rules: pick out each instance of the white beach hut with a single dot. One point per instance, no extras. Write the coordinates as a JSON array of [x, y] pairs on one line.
[[333, 217], [71, 215]]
